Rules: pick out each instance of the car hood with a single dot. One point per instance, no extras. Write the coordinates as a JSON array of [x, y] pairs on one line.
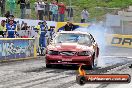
[[69, 47]]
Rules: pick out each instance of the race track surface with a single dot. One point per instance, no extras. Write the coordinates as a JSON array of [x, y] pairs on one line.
[[34, 74]]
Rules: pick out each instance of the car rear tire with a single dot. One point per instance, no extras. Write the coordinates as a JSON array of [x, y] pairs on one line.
[[92, 64], [48, 65], [90, 67]]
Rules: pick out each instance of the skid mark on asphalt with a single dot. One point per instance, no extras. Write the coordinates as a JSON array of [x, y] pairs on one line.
[[73, 82], [97, 71], [39, 69], [44, 81], [23, 82], [56, 82], [9, 78], [103, 85], [40, 79], [40, 76], [66, 85]]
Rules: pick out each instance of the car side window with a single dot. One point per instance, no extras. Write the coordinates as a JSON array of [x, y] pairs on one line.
[[92, 38]]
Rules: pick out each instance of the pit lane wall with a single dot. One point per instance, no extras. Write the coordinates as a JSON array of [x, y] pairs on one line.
[[17, 49], [119, 40]]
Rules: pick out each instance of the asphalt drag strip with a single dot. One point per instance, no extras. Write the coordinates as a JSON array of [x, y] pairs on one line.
[[96, 71], [34, 74], [71, 74]]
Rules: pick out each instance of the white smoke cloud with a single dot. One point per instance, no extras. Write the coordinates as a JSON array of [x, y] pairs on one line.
[[98, 32]]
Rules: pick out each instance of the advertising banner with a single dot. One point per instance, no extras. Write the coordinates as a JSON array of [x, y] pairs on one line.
[[17, 48], [119, 40]]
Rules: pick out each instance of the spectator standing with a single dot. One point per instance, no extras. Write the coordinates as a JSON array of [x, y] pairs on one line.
[[62, 9], [22, 7], [70, 13], [46, 11], [28, 9], [24, 27], [84, 15], [54, 9], [31, 33], [51, 32], [18, 26], [69, 26], [2, 5], [11, 29], [37, 28], [23, 32], [2, 28], [42, 40], [40, 9], [12, 5]]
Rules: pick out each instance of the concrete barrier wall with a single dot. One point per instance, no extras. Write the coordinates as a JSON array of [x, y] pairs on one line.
[[17, 48], [119, 40]]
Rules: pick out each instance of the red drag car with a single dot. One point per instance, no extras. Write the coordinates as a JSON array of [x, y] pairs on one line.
[[72, 48]]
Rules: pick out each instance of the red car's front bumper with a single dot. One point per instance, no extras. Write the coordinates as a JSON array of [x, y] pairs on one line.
[[68, 60]]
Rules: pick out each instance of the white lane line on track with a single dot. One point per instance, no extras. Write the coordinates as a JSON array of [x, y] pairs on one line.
[[117, 57], [114, 56], [129, 57]]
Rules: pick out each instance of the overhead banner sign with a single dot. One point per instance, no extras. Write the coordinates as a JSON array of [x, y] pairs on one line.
[[14, 49], [119, 40]]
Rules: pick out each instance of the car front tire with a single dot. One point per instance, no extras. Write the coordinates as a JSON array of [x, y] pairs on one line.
[[48, 65], [92, 64]]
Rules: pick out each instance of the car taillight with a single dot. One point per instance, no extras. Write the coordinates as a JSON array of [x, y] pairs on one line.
[[51, 52], [84, 53]]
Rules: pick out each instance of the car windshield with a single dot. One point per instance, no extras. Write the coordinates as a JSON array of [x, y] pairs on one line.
[[73, 38]]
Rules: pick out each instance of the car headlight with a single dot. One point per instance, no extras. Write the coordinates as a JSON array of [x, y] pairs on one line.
[[84, 53], [51, 52]]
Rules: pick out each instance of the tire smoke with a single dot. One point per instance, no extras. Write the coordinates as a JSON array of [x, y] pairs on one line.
[[98, 31]]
